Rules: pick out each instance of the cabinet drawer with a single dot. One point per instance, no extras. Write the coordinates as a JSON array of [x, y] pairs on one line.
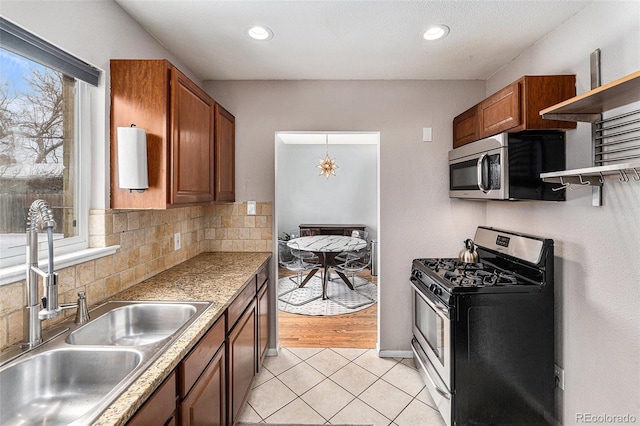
[[241, 302], [160, 407], [194, 364]]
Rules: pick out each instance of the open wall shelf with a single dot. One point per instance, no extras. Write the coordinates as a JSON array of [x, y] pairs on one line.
[[615, 140], [588, 106]]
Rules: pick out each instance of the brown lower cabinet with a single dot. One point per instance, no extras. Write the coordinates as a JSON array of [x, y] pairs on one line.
[[160, 409], [201, 382], [241, 355], [263, 322], [212, 383], [205, 404]]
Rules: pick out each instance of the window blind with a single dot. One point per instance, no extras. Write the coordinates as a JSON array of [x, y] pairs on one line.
[[22, 42]]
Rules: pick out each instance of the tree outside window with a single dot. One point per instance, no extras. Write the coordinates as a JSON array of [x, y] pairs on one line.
[[37, 136]]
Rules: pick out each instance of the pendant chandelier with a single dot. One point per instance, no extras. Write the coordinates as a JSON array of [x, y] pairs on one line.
[[327, 165]]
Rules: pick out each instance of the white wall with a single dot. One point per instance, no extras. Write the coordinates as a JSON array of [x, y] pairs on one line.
[[417, 219], [305, 197], [597, 248], [94, 31]]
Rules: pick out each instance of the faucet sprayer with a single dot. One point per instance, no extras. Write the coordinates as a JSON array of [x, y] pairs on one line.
[[40, 216]]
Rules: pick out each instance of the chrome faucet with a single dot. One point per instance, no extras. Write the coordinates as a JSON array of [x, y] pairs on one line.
[[40, 216]]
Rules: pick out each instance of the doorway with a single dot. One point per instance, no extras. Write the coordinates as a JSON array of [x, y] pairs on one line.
[[304, 196]]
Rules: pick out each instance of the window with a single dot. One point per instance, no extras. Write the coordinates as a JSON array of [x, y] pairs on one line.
[[44, 148]]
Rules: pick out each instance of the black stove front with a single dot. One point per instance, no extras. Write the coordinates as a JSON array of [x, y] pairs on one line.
[[483, 332]]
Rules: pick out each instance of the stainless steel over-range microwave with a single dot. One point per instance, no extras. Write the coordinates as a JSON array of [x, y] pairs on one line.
[[507, 166]]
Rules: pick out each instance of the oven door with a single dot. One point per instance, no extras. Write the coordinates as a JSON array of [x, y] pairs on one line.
[[432, 330], [481, 176]]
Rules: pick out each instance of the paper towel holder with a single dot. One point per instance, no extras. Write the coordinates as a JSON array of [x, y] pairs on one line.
[[132, 159]]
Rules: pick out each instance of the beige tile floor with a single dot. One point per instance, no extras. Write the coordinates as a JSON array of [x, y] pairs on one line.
[[338, 386]]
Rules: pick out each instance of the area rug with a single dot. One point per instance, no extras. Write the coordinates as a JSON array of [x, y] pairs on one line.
[[340, 298]]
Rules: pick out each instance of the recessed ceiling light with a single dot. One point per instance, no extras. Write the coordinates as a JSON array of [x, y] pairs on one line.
[[435, 32], [260, 32]]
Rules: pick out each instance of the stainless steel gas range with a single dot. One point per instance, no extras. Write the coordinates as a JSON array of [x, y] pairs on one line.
[[483, 336]]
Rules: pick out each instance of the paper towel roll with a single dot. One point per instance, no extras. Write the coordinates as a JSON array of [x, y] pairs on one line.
[[132, 159]]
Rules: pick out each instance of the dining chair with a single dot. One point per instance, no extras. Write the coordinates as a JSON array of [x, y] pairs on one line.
[[363, 235], [290, 259], [307, 256], [354, 254], [352, 262]]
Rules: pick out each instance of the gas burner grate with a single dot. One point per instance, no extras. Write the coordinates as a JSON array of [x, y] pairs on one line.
[[496, 278], [465, 274], [450, 265], [462, 279]]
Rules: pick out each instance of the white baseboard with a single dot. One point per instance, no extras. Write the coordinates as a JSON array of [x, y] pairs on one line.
[[273, 351], [395, 354]]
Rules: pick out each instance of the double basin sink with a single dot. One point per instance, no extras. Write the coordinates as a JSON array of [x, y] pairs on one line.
[[72, 378]]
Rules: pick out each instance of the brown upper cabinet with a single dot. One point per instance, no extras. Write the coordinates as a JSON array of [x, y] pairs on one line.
[[178, 117], [515, 108], [225, 155], [465, 127]]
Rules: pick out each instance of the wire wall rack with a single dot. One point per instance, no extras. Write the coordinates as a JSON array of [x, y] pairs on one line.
[[615, 138]]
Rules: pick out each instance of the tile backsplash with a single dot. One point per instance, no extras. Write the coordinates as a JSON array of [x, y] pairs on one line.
[[146, 240]]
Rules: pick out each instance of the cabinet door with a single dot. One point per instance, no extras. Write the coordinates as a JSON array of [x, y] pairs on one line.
[[500, 111], [160, 407], [192, 142], [241, 359], [263, 323], [140, 96], [466, 127], [206, 403], [225, 155]]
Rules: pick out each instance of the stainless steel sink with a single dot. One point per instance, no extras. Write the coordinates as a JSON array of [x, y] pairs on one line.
[[72, 378], [59, 386], [133, 324]]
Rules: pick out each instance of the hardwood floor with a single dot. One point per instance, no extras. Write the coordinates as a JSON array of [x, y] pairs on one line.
[[356, 330]]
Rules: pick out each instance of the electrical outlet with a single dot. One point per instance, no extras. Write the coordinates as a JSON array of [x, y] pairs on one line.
[[176, 241], [559, 375], [251, 207]]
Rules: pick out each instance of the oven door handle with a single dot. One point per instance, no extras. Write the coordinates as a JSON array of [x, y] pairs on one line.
[[439, 308], [481, 187]]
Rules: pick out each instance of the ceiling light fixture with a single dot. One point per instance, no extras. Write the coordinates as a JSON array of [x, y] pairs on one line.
[[260, 32], [435, 32], [328, 165]]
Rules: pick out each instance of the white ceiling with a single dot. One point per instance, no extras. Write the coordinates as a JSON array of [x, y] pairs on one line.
[[331, 138], [348, 40]]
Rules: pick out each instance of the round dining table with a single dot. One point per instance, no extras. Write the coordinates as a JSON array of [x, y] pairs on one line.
[[327, 247]]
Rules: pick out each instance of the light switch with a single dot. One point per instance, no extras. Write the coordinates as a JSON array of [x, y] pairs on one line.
[[426, 134], [251, 207]]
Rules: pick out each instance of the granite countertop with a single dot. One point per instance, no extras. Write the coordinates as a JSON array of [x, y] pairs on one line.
[[209, 277]]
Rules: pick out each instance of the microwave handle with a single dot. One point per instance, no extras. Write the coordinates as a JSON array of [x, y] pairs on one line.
[[480, 168]]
